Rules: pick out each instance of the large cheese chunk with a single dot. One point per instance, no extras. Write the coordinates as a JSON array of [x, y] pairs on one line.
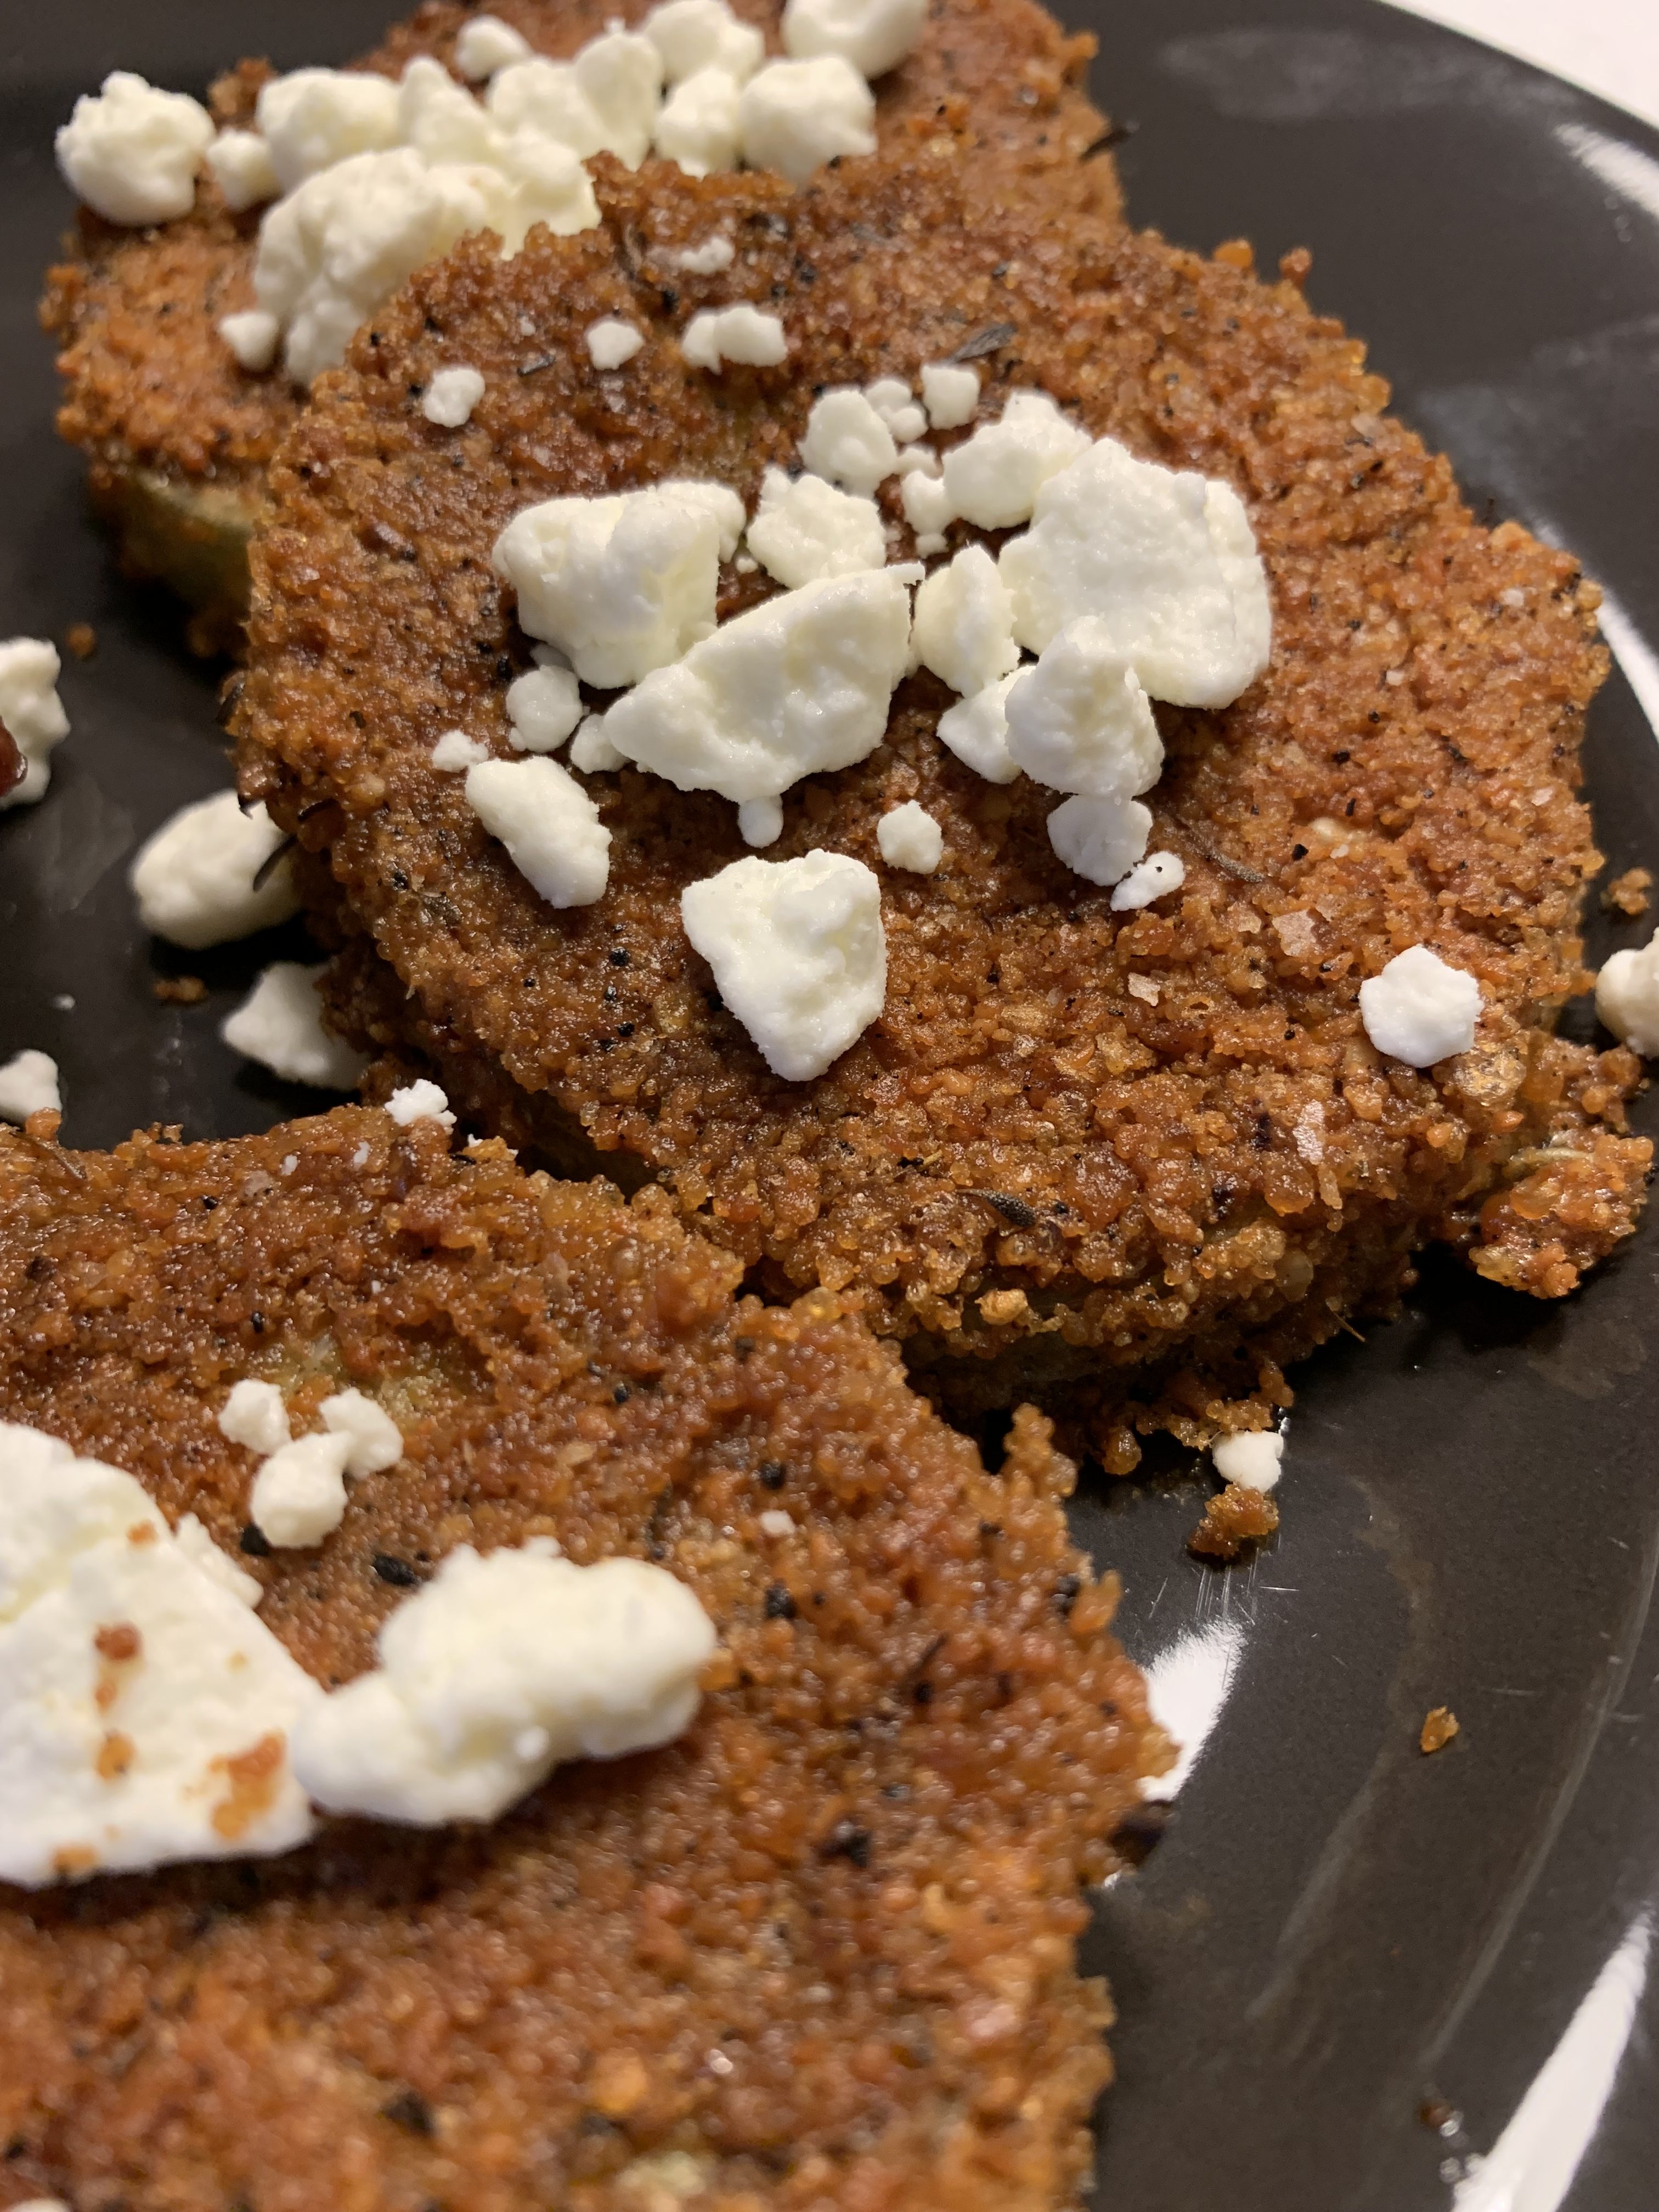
[[1080, 722]]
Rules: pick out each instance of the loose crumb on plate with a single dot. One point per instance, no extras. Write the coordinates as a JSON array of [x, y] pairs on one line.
[[1438, 1729]]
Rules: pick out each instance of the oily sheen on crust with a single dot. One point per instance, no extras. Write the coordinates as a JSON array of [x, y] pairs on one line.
[[1140, 1160], [820, 1950], [178, 437]]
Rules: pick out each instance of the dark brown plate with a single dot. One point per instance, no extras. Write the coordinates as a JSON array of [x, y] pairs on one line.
[[1336, 1935]]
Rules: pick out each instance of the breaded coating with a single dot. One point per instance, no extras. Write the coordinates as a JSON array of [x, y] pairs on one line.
[[1138, 1161], [819, 1951], [178, 437]]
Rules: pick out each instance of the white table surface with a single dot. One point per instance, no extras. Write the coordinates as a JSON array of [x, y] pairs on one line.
[[1610, 47]]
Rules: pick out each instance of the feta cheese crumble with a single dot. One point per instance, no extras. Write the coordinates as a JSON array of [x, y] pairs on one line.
[[145, 1710], [299, 1494], [1080, 722], [373, 1440], [194, 878], [29, 1084], [891, 397], [949, 393], [420, 1101], [692, 35], [548, 825], [805, 529], [716, 252], [31, 711], [1165, 560], [796, 686], [798, 952], [1250, 1458], [847, 441], [591, 751], [252, 337], [604, 100], [742, 334], [240, 163], [255, 1415], [612, 342], [760, 821], [455, 752], [544, 706], [993, 478], [623, 584], [1100, 839], [874, 35], [1420, 1009], [1154, 877], [313, 118], [927, 509], [1627, 996], [132, 152], [698, 127], [280, 1025], [497, 1671], [484, 44], [795, 116], [964, 624], [910, 838], [451, 397], [976, 731]]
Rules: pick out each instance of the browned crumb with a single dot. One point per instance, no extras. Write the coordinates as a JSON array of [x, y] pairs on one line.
[[820, 1952], [1628, 894], [1438, 1730], [179, 990], [1235, 1516], [81, 639]]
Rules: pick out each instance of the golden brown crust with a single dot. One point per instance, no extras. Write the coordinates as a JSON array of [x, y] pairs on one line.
[[1027, 1168], [821, 1950]]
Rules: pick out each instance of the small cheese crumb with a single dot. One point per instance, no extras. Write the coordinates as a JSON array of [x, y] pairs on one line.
[[194, 878], [497, 1671], [611, 342], [1420, 1009], [760, 821], [927, 509], [874, 35], [132, 152], [910, 838], [1080, 722], [299, 1494], [774, 1521], [976, 731], [1627, 996], [280, 1025], [891, 399], [455, 752], [919, 460], [1153, 877], [31, 710], [451, 397], [240, 163], [420, 1101], [795, 116], [544, 706], [964, 624], [1100, 839], [993, 477], [742, 334], [692, 35], [1250, 1458], [255, 1415], [698, 125], [548, 825], [485, 43], [803, 529], [252, 337], [591, 750], [949, 393], [1145, 987], [29, 1084], [716, 252], [847, 441]]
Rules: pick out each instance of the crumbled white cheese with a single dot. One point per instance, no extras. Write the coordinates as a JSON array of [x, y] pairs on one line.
[[484, 44], [1250, 1458], [1080, 722], [441, 120], [1151, 879], [716, 252], [993, 477], [194, 878], [548, 825], [965, 625], [910, 838], [29, 1084], [949, 393], [255, 1415], [1166, 560], [1420, 1009], [31, 711], [847, 441], [592, 752], [760, 821], [544, 706], [420, 1101], [919, 460], [976, 731], [699, 35], [497, 1671], [874, 35], [774, 1521], [803, 529], [927, 509], [621, 583], [611, 342], [622, 74], [280, 1025], [1100, 839], [313, 118], [241, 165], [795, 116], [145, 1710], [743, 333], [891, 399], [299, 1494], [797, 685], [1627, 996], [254, 337], [798, 952], [698, 126], [451, 397], [132, 152], [455, 752]]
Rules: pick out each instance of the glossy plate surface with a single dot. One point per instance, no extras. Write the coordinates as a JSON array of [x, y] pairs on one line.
[[1335, 1932]]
